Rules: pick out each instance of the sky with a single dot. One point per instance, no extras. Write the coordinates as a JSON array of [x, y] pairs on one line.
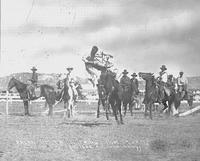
[[140, 34]]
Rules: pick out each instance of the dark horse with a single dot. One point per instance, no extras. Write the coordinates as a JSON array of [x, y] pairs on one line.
[[112, 97], [188, 97], [126, 98], [102, 97], [46, 91], [152, 94]]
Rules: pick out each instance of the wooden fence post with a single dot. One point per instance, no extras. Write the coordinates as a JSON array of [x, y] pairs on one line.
[[7, 99]]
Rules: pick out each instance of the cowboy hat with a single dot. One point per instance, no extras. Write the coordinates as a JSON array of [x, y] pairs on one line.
[[33, 68], [70, 68], [134, 74], [181, 72], [163, 67], [94, 48], [125, 72]]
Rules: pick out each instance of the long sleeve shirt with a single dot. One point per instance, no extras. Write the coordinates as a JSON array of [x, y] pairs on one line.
[[125, 81], [34, 77], [182, 81], [134, 84], [163, 77]]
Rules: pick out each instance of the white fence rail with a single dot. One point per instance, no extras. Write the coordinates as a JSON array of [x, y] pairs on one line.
[[16, 98], [10, 98]]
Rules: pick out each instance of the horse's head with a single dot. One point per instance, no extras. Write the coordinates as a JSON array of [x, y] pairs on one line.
[[11, 84], [107, 78], [149, 79], [146, 76]]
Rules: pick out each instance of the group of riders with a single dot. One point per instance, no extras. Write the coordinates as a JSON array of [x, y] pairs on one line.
[[63, 80], [97, 63]]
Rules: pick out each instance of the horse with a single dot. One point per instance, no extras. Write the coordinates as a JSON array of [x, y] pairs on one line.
[[152, 94], [188, 97], [69, 100], [127, 99], [111, 86], [64, 93], [46, 91]]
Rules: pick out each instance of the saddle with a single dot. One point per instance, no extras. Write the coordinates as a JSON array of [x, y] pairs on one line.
[[31, 92]]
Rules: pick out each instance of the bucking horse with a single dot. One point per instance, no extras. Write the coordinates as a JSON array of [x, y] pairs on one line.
[[48, 92], [108, 90]]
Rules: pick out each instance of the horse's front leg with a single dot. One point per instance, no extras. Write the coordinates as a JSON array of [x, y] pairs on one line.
[[71, 106], [125, 108], [150, 110], [66, 109], [50, 110], [107, 102], [120, 111], [145, 109], [26, 108], [114, 108], [99, 102], [131, 107]]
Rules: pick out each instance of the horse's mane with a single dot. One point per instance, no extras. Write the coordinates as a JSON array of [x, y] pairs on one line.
[[13, 78]]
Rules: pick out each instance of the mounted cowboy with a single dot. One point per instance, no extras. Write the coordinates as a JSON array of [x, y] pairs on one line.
[[59, 82], [96, 63], [182, 84], [134, 86], [70, 81], [33, 85], [162, 80], [125, 81], [67, 80]]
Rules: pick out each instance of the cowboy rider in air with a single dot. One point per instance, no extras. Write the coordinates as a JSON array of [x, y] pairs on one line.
[[95, 64]]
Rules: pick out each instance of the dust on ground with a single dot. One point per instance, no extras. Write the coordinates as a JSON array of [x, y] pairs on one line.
[[84, 137]]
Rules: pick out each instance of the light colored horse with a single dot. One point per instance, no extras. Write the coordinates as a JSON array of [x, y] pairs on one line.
[[69, 102]]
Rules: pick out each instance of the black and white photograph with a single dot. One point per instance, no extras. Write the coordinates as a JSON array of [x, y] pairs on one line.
[[100, 80]]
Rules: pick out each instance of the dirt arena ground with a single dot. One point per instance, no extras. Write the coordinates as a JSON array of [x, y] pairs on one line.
[[86, 138]]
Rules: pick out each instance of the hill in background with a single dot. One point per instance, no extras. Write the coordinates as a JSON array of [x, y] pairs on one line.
[[51, 79]]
